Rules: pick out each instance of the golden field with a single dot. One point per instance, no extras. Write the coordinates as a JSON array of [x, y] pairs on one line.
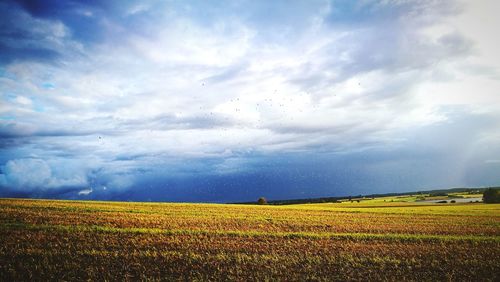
[[371, 240]]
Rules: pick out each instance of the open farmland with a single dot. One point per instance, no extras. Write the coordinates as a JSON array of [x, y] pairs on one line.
[[77, 240]]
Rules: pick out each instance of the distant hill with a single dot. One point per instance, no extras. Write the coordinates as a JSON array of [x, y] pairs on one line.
[[337, 199]]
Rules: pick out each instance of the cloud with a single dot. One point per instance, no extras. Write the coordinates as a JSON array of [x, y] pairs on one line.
[[26, 38], [131, 94], [85, 192], [33, 175]]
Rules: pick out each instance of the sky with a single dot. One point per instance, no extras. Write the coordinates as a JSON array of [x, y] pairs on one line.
[[228, 101]]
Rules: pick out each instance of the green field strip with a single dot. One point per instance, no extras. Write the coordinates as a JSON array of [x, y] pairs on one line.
[[250, 234]]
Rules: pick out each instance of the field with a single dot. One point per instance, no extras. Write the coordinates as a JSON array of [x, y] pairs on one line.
[[376, 239]]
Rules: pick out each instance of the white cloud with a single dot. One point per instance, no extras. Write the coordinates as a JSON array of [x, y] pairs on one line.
[[85, 192], [351, 91], [24, 101], [29, 175]]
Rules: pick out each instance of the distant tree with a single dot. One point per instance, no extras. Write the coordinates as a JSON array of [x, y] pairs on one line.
[[262, 201], [491, 195]]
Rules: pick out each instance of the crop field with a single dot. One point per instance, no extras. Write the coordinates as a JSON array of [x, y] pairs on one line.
[[377, 240]]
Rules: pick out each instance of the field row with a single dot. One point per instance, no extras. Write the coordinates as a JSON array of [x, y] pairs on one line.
[[302, 218], [85, 254], [71, 240]]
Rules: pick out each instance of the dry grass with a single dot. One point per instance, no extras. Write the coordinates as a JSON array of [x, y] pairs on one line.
[[73, 240]]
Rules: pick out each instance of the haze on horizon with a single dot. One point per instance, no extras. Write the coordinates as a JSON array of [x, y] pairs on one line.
[[220, 101]]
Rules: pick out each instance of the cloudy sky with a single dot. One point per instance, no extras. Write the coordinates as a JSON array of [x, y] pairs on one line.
[[221, 101]]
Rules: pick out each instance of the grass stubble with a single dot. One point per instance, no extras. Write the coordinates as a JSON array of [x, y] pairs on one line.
[[85, 240]]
